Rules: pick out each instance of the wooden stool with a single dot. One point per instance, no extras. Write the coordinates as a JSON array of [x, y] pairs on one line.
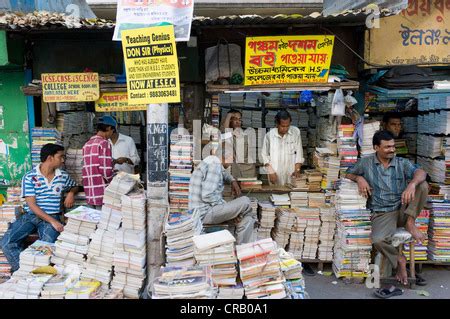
[[412, 265]]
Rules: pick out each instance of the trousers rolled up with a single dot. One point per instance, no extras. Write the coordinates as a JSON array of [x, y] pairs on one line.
[[238, 207], [384, 225]]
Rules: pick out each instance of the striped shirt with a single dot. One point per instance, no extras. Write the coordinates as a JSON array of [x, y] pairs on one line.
[[206, 185], [387, 184], [97, 168], [48, 194]]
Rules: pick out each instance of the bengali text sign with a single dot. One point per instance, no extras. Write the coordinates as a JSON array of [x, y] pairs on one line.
[[116, 102]]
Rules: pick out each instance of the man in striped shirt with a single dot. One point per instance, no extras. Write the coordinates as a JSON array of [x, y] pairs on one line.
[[98, 162], [43, 188]]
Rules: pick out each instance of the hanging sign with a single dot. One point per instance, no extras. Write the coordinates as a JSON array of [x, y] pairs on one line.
[[70, 87], [116, 102], [151, 65], [288, 59]]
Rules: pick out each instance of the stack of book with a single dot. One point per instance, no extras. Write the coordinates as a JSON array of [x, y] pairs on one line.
[[36, 255], [446, 147], [280, 200], [329, 165], [348, 152], [299, 199], [41, 136], [57, 286], [74, 164], [249, 183], [180, 229], [100, 256], [134, 210], [436, 168], [5, 267], [434, 123], [314, 180], [299, 183], [327, 231], [316, 200], [231, 292], [352, 241], [369, 130], [285, 222], [8, 288], [111, 216], [121, 184], [184, 283], [439, 231], [217, 251], [296, 243], [7, 215], [215, 110], [180, 171], [83, 289], [266, 217], [73, 243], [14, 196], [30, 287], [260, 272], [430, 146], [292, 271], [310, 217], [420, 249], [401, 148]]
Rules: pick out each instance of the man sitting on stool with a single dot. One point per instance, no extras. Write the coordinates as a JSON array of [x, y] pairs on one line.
[[382, 177]]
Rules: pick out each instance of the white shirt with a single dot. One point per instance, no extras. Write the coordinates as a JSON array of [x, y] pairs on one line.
[[125, 147], [282, 153]]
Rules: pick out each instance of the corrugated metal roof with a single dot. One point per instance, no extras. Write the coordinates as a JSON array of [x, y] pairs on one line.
[[61, 6]]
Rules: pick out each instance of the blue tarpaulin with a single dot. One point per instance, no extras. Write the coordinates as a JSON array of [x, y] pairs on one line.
[[61, 6]]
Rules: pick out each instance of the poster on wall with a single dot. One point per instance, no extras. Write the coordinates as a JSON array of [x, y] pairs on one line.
[[151, 65], [70, 87], [288, 59], [116, 102], [419, 34], [133, 14]]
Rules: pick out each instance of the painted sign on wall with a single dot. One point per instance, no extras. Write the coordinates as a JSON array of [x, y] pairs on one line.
[[70, 87], [288, 59]]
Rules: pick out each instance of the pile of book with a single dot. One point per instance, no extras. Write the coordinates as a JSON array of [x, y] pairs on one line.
[[260, 272], [36, 255], [266, 217], [310, 217], [100, 256], [352, 241], [184, 283], [180, 228], [327, 231], [231, 292], [280, 200], [121, 184], [316, 200], [299, 183], [249, 183], [57, 286], [180, 171], [74, 164], [401, 148], [41, 136], [286, 221], [369, 130], [8, 288], [5, 267], [296, 242], [7, 215], [299, 199], [30, 287], [215, 109], [72, 244], [328, 164], [436, 168], [217, 251], [314, 180], [14, 196], [430, 146], [420, 249], [83, 289], [446, 147], [348, 152], [134, 210], [439, 231], [292, 271], [434, 123]]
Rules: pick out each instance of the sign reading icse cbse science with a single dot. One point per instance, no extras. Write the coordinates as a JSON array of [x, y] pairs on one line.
[[151, 65], [70, 87], [288, 59], [116, 102]]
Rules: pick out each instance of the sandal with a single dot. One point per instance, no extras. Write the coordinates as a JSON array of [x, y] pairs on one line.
[[420, 281], [385, 293]]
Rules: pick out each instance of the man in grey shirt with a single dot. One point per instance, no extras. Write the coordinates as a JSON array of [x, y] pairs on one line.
[[383, 179]]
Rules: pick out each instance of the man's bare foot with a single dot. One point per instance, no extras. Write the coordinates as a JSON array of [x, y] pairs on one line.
[[402, 275], [415, 232]]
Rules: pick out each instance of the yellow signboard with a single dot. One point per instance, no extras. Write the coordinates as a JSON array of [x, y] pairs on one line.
[[151, 65], [288, 59], [116, 102], [420, 34], [70, 87]]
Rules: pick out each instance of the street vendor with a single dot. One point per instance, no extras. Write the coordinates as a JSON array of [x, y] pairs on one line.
[[282, 151], [124, 152], [397, 193], [43, 189]]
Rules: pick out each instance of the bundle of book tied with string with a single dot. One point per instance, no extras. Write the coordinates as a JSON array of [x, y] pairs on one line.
[[266, 219], [292, 271], [285, 224], [327, 232], [34, 256], [309, 218], [259, 268], [217, 251]]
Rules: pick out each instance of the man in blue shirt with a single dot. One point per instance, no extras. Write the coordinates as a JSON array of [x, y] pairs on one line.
[[43, 189], [383, 179]]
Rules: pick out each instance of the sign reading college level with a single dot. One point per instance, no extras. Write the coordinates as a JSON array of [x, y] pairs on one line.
[[152, 65], [70, 87], [288, 59], [116, 102]]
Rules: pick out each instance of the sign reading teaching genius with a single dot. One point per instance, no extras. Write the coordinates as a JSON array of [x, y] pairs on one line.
[[288, 59], [151, 65], [70, 87]]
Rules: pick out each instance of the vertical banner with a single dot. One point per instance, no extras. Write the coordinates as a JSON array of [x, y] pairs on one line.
[[288, 59], [151, 65], [133, 14], [157, 137]]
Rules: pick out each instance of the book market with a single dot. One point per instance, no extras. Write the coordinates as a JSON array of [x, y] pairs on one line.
[[211, 150]]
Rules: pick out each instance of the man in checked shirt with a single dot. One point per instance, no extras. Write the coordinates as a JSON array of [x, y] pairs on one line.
[[98, 162]]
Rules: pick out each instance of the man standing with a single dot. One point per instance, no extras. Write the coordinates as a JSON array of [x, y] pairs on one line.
[[124, 152], [282, 151], [383, 178], [43, 188], [97, 162], [205, 194], [392, 123]]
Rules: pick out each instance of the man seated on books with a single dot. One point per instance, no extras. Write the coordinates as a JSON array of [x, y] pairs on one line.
[[243, 165], [43, 189], [282, 151], [205, 194], [383, 179]]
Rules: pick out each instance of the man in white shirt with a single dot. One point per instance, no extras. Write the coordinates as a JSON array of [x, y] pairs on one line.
[[282, 151], [124, 153]]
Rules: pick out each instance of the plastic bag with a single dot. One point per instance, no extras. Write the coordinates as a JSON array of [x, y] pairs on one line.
[[349, 99], [338, 104], [222, 61]]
